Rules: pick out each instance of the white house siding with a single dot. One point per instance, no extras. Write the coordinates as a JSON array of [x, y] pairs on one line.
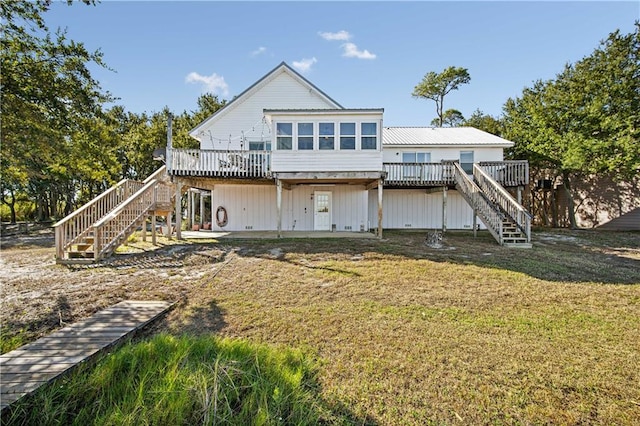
[[245, 116], [253, 207], [416, 209], [393, 154], [326, 161]]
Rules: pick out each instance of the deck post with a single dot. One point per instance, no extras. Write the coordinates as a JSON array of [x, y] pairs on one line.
[[379, 208], [189, 209], [279, 205], [475, 223], [444, 209], [153, 228], [144, 229], [178, 211], [519, 195], [201, 208]]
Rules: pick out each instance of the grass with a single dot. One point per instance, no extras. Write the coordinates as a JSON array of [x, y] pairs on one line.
[[170, 380], [401, 333]]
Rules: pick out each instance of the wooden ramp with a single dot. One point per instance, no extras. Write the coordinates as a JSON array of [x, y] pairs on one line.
[[27, 368]]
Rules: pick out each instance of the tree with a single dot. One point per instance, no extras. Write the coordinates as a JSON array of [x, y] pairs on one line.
[[450, 118], [47, 96], [485, 122], [436, 86], [586, 121]]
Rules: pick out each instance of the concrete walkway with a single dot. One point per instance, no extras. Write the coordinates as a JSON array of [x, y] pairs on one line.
[[25, 369]]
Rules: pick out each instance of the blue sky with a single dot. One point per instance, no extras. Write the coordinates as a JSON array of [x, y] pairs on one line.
[[362, 54]]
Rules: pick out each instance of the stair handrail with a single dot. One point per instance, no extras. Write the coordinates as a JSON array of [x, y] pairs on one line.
[[472, 193], [496, 193], [156, 175], [122, 219], [73, 227]]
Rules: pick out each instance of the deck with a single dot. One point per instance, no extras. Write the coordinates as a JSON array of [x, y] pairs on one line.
[[256, 166], [25, 369]]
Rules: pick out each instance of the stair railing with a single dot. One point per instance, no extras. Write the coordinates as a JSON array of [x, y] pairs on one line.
[[488, 213], [497, 194], [111, 230], [71, 229]]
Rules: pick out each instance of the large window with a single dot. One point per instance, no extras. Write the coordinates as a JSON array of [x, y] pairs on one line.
[[347, 135], [305, 136], [414, 170], [369, 136], [327, 136], [466, 161], [259, 146], [284, 134]]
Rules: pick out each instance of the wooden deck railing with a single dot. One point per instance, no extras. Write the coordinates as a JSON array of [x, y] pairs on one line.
[[489, 214], [213, 163], [507, 173], [418, 174], [77, 225], [111, 230], [498, 195]]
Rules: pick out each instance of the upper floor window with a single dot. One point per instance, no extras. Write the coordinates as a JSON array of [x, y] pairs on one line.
[[369, 136], [305, 136], [259, 146], [466, 161], [284, 134], [414, 170], [347, 135], [327, 136]]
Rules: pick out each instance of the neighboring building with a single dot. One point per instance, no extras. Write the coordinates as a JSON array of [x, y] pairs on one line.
[[284, 156]]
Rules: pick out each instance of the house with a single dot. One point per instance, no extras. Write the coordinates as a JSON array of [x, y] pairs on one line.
[[285, 156]]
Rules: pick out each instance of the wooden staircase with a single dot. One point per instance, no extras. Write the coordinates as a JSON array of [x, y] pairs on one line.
[[96, 229], [504, 217]]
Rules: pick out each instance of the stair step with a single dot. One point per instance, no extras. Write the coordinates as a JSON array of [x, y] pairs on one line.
[[88, 240], [83, 246], [73, 254]]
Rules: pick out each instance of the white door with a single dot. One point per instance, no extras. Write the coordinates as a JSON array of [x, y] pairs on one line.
[[322, 211]]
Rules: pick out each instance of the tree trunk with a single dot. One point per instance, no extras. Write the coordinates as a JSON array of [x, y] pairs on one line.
[[566, 183], [11, 205]]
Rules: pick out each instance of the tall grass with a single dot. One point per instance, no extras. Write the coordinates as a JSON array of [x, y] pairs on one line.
[[169, 380]]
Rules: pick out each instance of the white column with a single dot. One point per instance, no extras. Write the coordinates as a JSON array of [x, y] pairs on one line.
[[444, 208], [379, 208], [279, 205]]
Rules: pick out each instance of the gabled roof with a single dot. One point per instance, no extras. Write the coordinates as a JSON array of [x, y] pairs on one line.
[[282, 67], [441, 136]]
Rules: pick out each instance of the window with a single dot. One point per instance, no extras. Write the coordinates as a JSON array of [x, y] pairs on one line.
[[259, 146], [284, 134], [466, 161], [327, 136], [369, 136], [347, 135], [305, 136], [414, 157]]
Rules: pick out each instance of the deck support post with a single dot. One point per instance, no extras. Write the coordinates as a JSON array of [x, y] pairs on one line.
[[143, 232], [519, 195], [178, 211], [444, 209], [190, 212], [279, 205], [475, 223], [201, 195], [153, 229], [380, 208]]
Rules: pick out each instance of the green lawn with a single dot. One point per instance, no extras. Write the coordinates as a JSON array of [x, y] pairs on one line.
[[399, 333]]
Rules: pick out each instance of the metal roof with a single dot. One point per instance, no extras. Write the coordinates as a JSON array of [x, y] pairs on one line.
[[441, 136], [323, 110]]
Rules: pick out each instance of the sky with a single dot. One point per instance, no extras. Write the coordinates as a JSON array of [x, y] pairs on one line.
[[362, 54]]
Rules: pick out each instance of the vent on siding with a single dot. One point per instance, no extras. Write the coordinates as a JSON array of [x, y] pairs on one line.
[[347, 227], [407, 225], [248, 227], [467, 226]]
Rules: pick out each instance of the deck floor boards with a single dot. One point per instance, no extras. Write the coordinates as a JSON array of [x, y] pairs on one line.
[[25, 369]]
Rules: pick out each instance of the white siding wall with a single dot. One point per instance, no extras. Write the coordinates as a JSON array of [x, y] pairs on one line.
[[326, 161], [253, 207], [394, 154], [283, 91], [415, 209]]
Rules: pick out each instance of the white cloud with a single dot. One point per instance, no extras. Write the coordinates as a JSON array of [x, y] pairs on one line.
[[259, 51], [351, 51], [304, 65], [213, 83], [340, 35]]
